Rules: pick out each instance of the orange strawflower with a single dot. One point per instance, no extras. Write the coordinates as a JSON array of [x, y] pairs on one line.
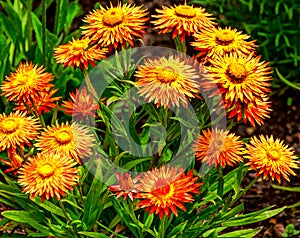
[[254, 111], [48, 175], [79, 53], [81, 105], [219, 148], [218, 42], [126, 186], [43, 103], [26, 83], [17, 129], [182, 20], [74, 140], [271, 158], [164, 189], [240, 78], [115, 26], [167, 81]]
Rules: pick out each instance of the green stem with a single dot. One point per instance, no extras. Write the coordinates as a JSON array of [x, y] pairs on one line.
[[29, 25], [180, 46], [162, 227], [89, 86], [57, 12], [287, 82], [64, 211], [44, 32], [243, 192]]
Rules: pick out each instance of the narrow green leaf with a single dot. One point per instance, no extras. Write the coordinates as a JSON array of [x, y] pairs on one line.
[[37, 26], [61, 15], [133, 163], [93, 234], [49, 206], [252, 217], [247, 233]]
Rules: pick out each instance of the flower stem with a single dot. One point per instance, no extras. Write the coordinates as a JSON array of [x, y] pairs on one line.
[[44, 32], [89, 85], [180, 45], [64, 211]]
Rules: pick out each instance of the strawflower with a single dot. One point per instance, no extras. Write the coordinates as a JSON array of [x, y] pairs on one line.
[[74, 140], [26, 83], [240, 78], [254, 111], [219, 42], [79, 54], [43, 103], [182, 20], [48, 175], [164, 190], [218, 147], [271, 158], [81, 105], [17, 129], [167, 81], [115, 26]]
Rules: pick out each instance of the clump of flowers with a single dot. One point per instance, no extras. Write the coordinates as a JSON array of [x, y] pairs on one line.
[[69, 179]]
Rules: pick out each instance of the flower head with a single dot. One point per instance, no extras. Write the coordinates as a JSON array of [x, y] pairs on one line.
[[43, 103], [271, 158], [167, 81], [17, 129], [115, 26], [254, 111], [164, 189], [182, 20], [80, 105], [239, 78], [218, 147], [126, 186], [218, 42], [79, 53], [26, 83], [48, 175], [74, 140]]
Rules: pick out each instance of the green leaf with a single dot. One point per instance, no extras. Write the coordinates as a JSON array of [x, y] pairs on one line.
[[26, 217], [7, 29], [93, 234], [290, 189], [49, 206], [247, 233], [133, 163], [37, 26], [61, 14], [252, 217], [14, 18], [177, 230], [74, 10]]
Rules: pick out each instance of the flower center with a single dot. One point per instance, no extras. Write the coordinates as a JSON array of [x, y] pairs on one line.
[[166, 75], [63, 137], [273, 154], [46, 170], [236, 72], [113, 17], [163, 191], [9, 125], [26, 78], [79, 46], [225, 37], [185, 11]]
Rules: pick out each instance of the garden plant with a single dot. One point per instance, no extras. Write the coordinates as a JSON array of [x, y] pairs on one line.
[[102, 136]]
